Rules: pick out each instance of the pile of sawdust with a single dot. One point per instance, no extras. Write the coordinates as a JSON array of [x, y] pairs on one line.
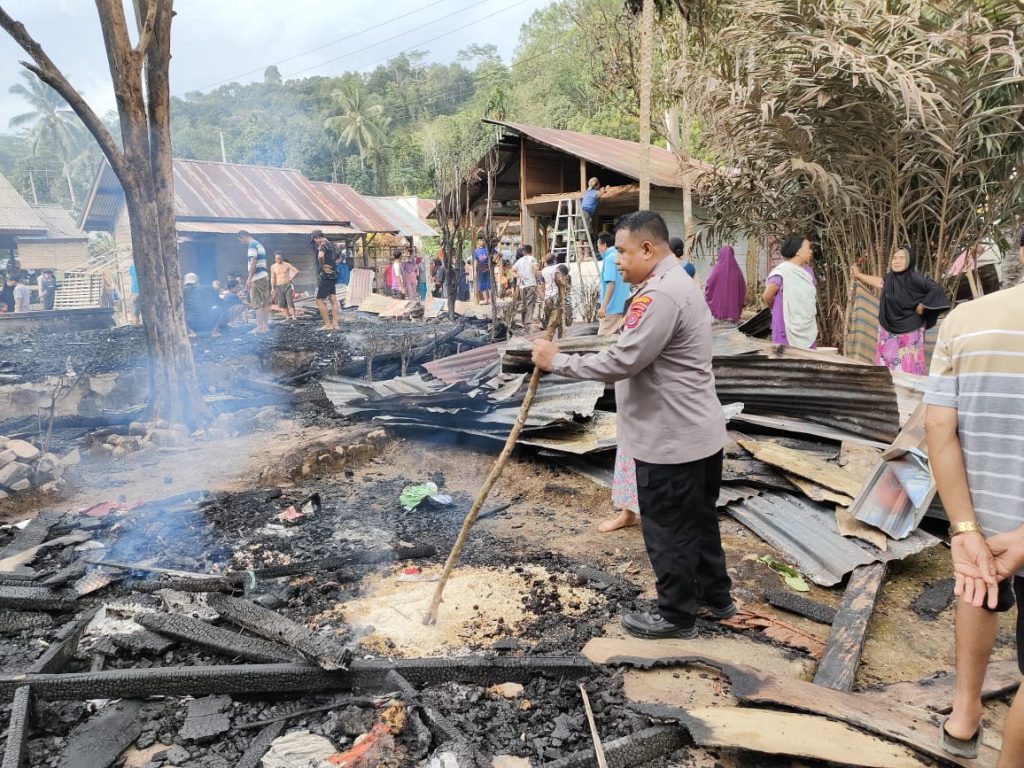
[[481, 606]]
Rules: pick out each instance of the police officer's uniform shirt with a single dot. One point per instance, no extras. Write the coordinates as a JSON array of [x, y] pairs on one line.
[[668, 412]]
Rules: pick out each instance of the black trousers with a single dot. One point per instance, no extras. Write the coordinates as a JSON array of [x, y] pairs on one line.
[[680, 527]]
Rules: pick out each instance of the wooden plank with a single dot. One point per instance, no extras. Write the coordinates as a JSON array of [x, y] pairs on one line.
[[273, 626], [12, 622], [887, 719], [101, 739], [16, 749], [253, 755], [60, 652], [804, 465], [935, 693], [789, 733], [200, 633], [205, 718], [838, 666]]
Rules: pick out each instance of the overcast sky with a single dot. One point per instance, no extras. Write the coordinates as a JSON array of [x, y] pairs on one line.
[[214, 41]]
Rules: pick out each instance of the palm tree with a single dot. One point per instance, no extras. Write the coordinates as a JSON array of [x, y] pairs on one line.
[[360, 122], [51, 123]]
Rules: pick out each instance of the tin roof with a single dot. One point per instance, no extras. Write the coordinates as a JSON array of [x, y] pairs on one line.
[[59, 224], [17, 216], [617, 155], [231, 192], [402, 213], [257, 228], [355, 208]]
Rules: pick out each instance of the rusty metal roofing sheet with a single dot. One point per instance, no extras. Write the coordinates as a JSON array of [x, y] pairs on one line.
[[349, 205], [17, 216], [616, 154], [806, 533], [257, 228], [464, 365], [402, 215], [58, 222]]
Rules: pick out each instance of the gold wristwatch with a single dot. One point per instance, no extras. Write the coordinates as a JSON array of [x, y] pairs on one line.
[[967, 527]]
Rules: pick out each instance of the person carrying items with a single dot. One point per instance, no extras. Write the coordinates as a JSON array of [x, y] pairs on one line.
[[670, 422]]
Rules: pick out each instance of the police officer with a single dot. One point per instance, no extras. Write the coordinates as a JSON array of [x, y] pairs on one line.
[[670, 422]]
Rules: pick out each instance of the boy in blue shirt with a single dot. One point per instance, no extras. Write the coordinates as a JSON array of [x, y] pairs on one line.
[[615, 290]]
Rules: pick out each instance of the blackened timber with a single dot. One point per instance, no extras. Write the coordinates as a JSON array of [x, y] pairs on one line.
[[416, 355], [101, 739], [205, 718], [283, 678], [16, 748], [326, 652], [60, 652], [838, 666], [143, 641], [253, 755], [810, 609], [12, 622], [640, 748], [368, 557], [224, 641], [34, 599], [32, 535]]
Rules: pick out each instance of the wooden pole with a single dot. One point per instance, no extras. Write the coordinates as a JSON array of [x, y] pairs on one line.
[[499, 465], [646, 64]]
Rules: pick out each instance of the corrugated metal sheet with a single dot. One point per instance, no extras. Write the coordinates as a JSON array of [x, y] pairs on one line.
[[402, 215], [257, 228], [58, 222], [360, 285], [17, 216], [350, 206], [464, 365], [806, 533], [616, 154]]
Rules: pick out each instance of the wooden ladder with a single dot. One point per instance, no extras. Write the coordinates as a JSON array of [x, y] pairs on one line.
[[569, 223]]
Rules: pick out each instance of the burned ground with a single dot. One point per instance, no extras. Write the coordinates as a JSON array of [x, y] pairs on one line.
[[214, 505]]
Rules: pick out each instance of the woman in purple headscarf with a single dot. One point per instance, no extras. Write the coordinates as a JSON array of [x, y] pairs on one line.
[[726, 289]]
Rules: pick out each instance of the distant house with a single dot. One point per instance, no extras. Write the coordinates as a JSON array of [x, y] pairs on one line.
[[42, 236], [280, 207], [538, 167]]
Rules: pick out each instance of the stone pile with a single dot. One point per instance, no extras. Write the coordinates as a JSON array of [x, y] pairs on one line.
[[143, 435], [23, 466]]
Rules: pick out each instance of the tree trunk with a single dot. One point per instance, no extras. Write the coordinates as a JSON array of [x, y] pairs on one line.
[[646, 56]]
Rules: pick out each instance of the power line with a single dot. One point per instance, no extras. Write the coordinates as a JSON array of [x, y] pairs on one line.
[[327, 45], [417, 45]]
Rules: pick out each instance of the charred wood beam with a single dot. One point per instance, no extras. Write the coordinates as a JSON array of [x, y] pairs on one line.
[[253, 755], [60, 653], [328, 653], [224, 641], [368, 557], [32, 535], [12, 622], [128, 586], [440, 726], [838, 666], [101, 739], [337, 703], [284, 678], [639, 748], [417, 355], [35, 599], [16, 748], [810, 609]]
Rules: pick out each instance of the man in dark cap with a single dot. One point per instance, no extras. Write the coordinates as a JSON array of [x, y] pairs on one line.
[[326, 284]]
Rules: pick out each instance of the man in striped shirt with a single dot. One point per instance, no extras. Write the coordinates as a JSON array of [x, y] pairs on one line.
[[975, 427]]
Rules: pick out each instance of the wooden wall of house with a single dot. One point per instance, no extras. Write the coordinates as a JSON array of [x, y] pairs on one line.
[[62, 255]]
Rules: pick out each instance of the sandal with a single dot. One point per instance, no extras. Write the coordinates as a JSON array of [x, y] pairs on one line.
[[966, 748]]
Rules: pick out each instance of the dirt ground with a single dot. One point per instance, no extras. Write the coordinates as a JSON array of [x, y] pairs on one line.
[[551, 512]]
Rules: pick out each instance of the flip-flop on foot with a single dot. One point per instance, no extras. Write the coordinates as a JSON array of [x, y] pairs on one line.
[[966, 748]]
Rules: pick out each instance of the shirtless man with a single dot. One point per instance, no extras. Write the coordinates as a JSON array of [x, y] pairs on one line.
[[282, 273]]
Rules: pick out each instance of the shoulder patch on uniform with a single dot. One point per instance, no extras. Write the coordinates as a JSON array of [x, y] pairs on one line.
[[637, 308]]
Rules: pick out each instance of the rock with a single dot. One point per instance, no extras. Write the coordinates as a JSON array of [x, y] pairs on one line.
[[137, 428], [14, 472], [508, 761], [177, 755], [506, 691], [21, 485], [378, 437], [48, 466], [359, 454], [119, 452], [23, 450], [4, 441], [73, 457], [115, 439], [7, 456], [54, 486]]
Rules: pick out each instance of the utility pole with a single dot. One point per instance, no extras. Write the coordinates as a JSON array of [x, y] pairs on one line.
[[646, 65], [223, 152], [32, 183]]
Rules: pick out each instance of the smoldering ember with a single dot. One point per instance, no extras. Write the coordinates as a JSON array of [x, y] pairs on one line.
[[290, 478]]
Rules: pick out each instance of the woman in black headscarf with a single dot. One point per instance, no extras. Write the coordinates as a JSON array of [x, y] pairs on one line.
[[910, 304]]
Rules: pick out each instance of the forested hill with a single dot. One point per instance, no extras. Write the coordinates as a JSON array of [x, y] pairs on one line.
[[574, 68]]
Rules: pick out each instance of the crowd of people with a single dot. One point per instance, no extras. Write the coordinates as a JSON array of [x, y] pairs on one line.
[[16, 288]]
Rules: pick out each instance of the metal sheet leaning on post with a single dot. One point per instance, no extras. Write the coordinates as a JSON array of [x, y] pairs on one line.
[[670, 422], [499, 465]]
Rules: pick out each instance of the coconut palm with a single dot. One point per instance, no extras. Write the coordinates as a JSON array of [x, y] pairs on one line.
[[360, 122], [873, 124], [50, 123]]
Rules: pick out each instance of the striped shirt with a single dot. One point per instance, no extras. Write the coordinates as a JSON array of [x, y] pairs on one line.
[[978, 368]]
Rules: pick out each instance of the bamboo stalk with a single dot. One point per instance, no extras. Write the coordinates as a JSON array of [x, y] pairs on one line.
[[499, 465], [602, 762]]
